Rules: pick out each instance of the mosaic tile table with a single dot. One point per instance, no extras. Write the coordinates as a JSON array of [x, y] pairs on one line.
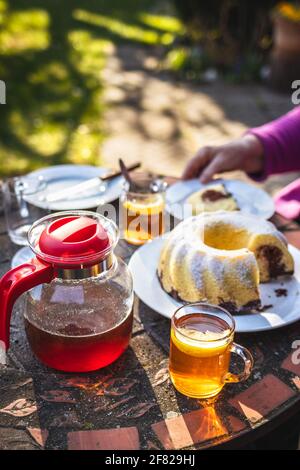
[[132, 404]]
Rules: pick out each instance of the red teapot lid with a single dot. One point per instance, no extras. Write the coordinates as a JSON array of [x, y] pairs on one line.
[[73, 238]]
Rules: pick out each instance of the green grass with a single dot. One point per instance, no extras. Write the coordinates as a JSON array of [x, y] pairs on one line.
[[52, 53]]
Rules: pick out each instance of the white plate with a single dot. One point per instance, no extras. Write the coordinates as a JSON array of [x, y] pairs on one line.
[[61, 176], [285, 310], [250, 198], [22, 256]]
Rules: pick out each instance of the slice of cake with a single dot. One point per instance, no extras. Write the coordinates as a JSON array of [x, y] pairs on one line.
[[212, 198]]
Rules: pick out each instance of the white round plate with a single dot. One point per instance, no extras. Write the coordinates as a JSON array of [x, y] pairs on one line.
[[250, 198], [62, 176], [22, 256], [284, 310]]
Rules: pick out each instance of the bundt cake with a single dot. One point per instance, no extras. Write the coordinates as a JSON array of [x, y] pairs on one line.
[[213, 198], [221, 258]]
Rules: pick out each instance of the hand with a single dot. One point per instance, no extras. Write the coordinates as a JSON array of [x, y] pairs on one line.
[[245, 154]]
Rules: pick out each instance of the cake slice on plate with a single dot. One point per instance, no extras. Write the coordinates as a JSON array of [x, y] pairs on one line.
[[212, 198]]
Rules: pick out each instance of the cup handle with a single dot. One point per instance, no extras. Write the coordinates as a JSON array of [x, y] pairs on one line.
[[248, 361]]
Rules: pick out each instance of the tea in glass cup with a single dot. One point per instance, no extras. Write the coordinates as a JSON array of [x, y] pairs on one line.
[[143, 206], [201, 346]]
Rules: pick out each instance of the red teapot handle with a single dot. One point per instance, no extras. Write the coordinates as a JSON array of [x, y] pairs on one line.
[[14, 283]]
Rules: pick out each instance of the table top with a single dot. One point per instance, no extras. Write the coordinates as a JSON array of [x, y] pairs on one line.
[[132, 404]]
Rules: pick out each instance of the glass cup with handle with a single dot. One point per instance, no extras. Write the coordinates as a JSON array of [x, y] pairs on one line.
[[200, 350]]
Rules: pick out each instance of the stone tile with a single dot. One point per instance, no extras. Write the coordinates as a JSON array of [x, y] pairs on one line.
[[39, 435], [16, 439], [189, 429], [296, 382], [173, 433], [261, 398], [105, 439], [236, 425], [18, 402], [292, 362]]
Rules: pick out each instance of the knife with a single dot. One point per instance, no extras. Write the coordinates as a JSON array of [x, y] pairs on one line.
[[70, 191]]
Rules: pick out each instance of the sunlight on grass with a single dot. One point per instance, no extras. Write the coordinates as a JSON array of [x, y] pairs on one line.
[[23, 30], [55, 74], [42, 136], [3, 9], [48, 128], [122, 29], [84, 145], [164, 23], [59, 109], [43, 126], [176, 59], [14, 162], [52, 55], [88, 53]]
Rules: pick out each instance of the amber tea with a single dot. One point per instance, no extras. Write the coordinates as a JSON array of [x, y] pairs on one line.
[[143, 210], [200, 349], [144, 220]]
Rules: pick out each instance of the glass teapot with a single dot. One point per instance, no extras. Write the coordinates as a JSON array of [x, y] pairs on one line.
[[79, 296]]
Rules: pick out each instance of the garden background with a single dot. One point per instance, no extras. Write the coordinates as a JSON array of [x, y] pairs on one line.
[[89, 82]]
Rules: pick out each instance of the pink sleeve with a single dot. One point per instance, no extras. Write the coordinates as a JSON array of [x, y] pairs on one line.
[[281, 142]]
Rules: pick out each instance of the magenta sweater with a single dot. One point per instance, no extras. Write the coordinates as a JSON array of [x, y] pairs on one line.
[[281, 142]]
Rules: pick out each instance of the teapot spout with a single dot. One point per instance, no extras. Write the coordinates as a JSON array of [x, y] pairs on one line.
[[14, 283]]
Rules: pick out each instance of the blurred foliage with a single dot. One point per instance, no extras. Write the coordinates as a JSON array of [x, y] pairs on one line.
[[289, 10], [52, 53], [232, 35], [164, 23], [189, 60], [124, 30]]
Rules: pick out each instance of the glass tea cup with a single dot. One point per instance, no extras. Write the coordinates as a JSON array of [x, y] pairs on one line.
[[200, 349], [20, 213], [143, 207]]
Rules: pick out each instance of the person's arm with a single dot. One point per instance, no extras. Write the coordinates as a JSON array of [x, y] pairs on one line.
[[281, 143], [262, 151]]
